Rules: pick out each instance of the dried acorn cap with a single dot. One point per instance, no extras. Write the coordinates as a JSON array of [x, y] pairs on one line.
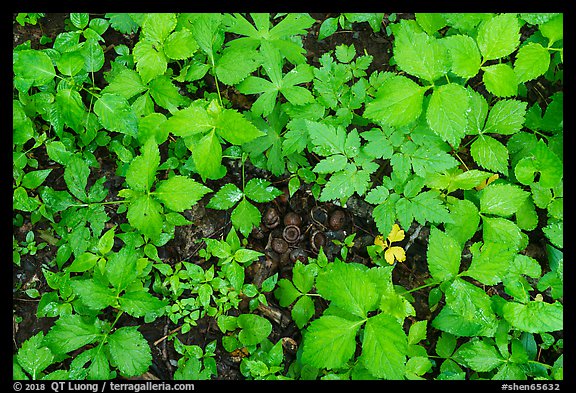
[[317, 240], [271, 218], [279, 245], [319, 215], [291, 234], [298, 254], [292, 218], [337, 220]]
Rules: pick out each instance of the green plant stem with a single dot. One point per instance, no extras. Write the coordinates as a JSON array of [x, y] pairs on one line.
[[99, 203], [423, 286]]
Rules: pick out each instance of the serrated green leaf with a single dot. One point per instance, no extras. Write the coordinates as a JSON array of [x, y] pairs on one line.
[[346, 287], [83, 262], [447, 112], [417, 332], [254, 328], [34, 65], [121, 268], [502, 199], [130, 351], [140, 303], [384, 216], [70, 63], [384, 347], [464, 54], [327, 139], [71, 332], [443, 255], [93, 294], [71, 109], [506, 117], [465, 220], [554, 231], [543, 161], [245, 217], [207, 155], [179, 193], [180, 45], [226, 197], [428, 207], [165, 93], [115, 114], [157, 26], [331, 164], [144, 214], [236, 64], [397, 103], [500, 80], [33, 179], [479, 356], [532, 60], [330, 341], [445, 345], [430, 22], [141, 173], [302, 311], [498, 36], [553, 29], [490, 154], [417, 53], [344, 184], [126, 83], [327, 28], [235, 128], [490, 263], [33, 356], [150, 61], [501, 230], [535, 316], [261, 190], [76, 175], [286, 293]]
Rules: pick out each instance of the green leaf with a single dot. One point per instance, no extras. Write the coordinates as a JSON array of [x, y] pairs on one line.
[[130, 351], [126, 83], [384, 347], [327, 28], [179, 193], [417, 332], [535, 316], [330, 341], [286, 293], [140, 303], [506, 117], [327, 139], [33, 356], [417, 53], [235, 128], [447, 112], [445, 345], [490, 154], [70, 63], [180, 45], [428, 207], [76, 175], [344, 184], [71, 108], [33, 179], [83, 262], [245, 216], [165, 93], [532, 60], [554, 231], [553, 29], [121, 268], [71, 332], [189, 121], [261, 190], [226, 197], [478, 356], [34, 65], [145, 214], [443, 255], [157, 26], [501, 230], [93, 294], [141, 173], [499, 36], [490, 263], [465, 220], [150, 61], [464, 54], [302, 311], [385, 215], [543, 161], [255, 329], [207, 155], [115, 114], [398, 102], [502, 199], [430, 22], [236, 64], [346, 287], [500, 80]]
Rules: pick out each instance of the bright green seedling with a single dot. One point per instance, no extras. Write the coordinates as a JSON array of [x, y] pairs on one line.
[[176, 194], [266, 363], [195, 363], [232, 257], [249, 331], [297, 293], [360, 300], [245, 215], [330, 25]]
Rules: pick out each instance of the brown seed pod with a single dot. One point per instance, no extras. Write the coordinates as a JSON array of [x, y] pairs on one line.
[[279, 245], [292, 218], [291, 234], [319, 215], [271, 218], [337, 220], [298, 254], [317, 240]]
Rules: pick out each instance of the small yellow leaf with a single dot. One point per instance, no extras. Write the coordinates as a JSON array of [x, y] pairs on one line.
[[396, 234], [395, 253], [379, 241], [487, 181]]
